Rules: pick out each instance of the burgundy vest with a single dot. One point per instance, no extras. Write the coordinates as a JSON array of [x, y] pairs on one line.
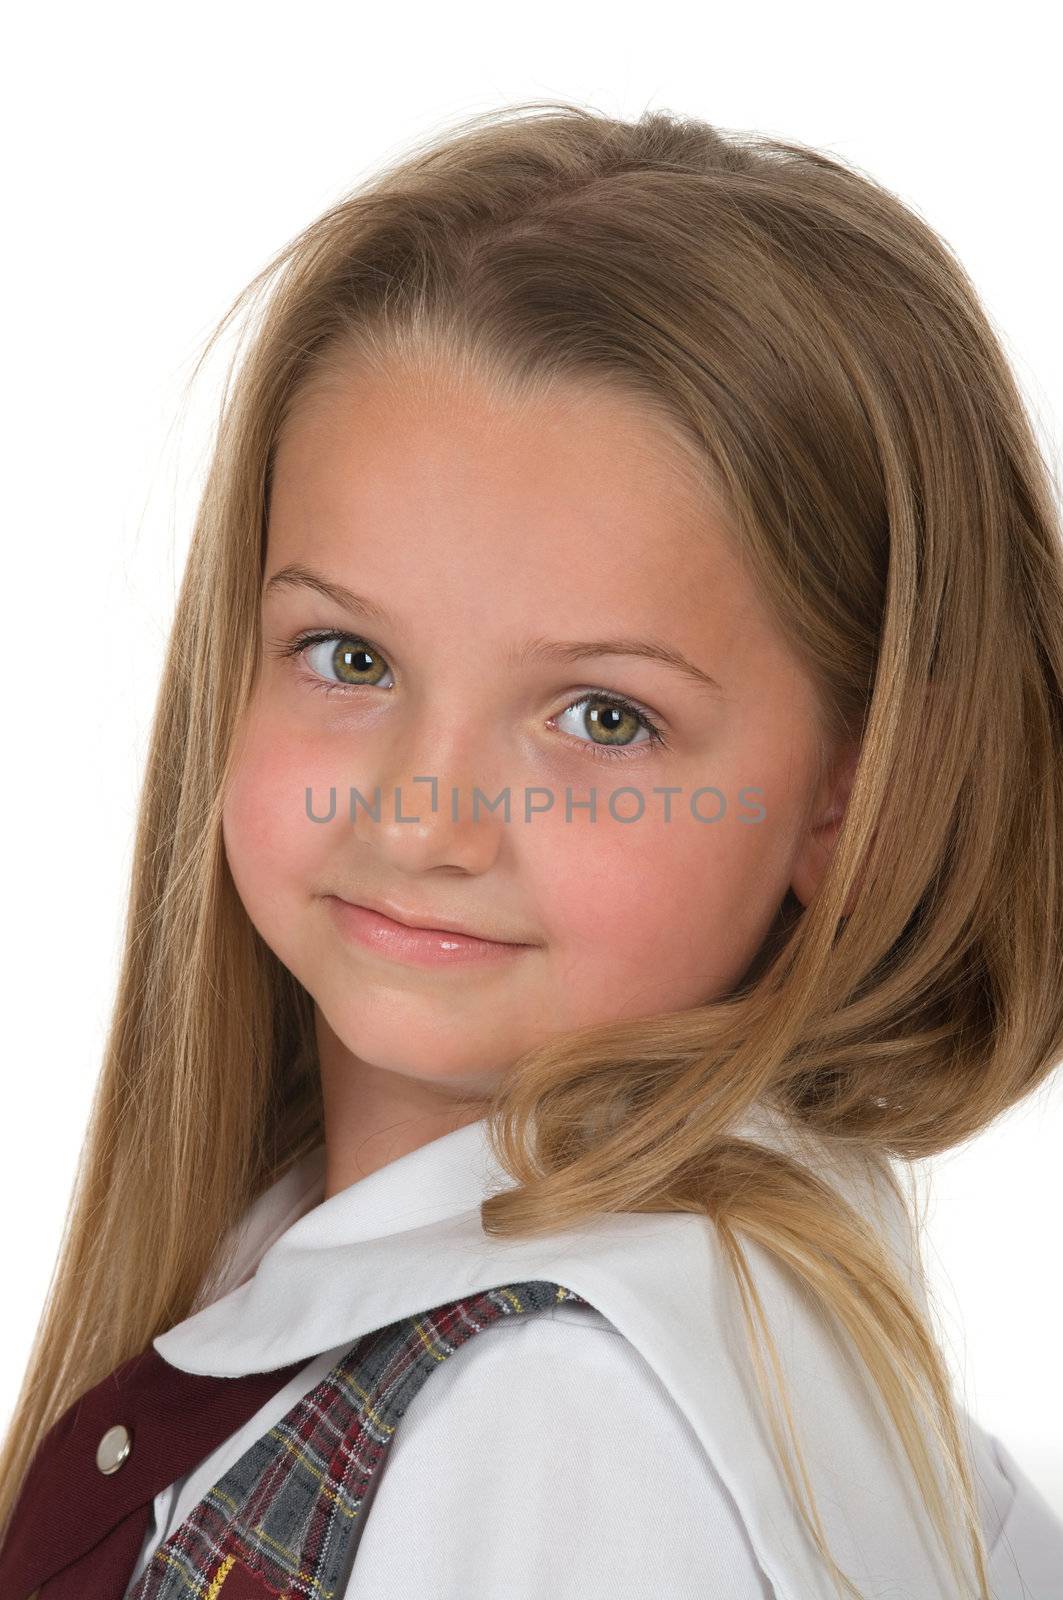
[[283, 1522]]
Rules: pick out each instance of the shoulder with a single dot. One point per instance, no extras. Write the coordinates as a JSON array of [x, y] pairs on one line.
[[546, 1453]]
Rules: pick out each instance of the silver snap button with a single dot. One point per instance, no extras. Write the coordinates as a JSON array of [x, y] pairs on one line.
[[113, 1448]]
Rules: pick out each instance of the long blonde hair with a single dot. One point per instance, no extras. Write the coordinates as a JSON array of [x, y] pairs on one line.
[[823, 359]]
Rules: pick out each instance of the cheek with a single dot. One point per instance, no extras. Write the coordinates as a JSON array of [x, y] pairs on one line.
[[270, 842], [656, 915]]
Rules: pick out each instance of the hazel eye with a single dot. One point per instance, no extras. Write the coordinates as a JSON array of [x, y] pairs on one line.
[[341, 660], [337, 663], [615, 719]]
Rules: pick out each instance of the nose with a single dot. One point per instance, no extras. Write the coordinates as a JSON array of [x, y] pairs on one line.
[[442, 811]]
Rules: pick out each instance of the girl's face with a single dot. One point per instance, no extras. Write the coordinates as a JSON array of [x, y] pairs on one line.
[[483, 545]]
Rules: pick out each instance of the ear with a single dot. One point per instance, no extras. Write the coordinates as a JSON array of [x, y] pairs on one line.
[[817, 844]]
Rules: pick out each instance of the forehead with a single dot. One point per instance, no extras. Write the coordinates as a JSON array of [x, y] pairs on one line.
[[575, 499]]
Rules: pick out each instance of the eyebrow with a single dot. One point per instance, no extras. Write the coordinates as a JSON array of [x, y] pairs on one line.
[[536, 649]]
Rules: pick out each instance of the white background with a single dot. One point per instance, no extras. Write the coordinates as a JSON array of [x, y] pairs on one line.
[[154, 158]]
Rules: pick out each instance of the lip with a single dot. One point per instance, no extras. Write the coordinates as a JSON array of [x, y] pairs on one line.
[[403, 941]]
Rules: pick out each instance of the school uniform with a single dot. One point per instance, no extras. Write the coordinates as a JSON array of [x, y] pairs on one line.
[[380, 1399]]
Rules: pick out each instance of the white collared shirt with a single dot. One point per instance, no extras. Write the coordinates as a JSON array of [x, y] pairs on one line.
[[624, 1457]]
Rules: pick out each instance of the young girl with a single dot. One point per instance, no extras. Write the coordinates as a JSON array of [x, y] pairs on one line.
[[491, 1184]]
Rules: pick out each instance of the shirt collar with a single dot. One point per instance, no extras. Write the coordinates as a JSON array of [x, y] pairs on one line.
[[409, 1237], [401, 1240]]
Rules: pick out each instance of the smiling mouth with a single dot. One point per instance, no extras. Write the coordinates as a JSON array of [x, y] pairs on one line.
[[384, 936], [442, 927]]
